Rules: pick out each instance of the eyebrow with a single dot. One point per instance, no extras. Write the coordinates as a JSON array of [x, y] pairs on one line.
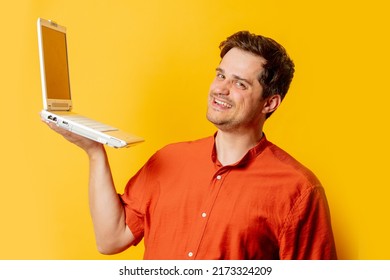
[[218, 69]]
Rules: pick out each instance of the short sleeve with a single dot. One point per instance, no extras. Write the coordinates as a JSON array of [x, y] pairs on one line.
[[136, 198], [307, 233]]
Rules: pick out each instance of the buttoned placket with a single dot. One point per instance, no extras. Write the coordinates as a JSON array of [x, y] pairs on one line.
[[205, 212]]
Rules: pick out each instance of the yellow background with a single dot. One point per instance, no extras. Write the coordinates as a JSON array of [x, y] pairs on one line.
[[149, 64]]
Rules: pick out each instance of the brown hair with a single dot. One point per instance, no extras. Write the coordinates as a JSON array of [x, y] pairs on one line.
[[278, 69]]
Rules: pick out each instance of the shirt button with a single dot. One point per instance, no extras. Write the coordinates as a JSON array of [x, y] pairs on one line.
[[190, 254], [219, 177], [204, 215]]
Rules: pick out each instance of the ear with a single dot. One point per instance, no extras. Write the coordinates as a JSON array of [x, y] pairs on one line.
[[272, 103]]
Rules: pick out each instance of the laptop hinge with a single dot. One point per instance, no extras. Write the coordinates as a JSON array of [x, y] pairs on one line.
[[59, 106]]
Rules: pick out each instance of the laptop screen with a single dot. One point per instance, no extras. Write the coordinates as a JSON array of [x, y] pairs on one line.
[[56, 63]]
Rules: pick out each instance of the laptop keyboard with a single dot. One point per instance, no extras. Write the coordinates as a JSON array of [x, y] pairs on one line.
[[90, 123]]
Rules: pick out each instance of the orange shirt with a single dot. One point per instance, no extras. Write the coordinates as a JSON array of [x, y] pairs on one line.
[[266, 206]]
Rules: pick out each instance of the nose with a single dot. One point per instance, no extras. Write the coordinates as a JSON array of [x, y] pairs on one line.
[[222, 87]]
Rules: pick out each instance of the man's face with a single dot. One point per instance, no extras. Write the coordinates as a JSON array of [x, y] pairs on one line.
[[235, 100]]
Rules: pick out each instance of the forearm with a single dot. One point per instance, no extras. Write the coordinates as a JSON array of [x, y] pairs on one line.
[[112, 234], [111, 231]]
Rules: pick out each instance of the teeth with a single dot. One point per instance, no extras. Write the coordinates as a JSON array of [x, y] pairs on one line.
[[224, 104]]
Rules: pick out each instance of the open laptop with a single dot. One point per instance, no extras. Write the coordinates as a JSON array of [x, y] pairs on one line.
[[56, 94]]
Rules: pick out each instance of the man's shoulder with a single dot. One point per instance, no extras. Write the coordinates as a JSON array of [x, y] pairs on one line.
[[197, 147], [284, 161], [202, 143]]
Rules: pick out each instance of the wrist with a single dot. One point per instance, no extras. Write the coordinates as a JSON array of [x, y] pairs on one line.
[[95, 151]]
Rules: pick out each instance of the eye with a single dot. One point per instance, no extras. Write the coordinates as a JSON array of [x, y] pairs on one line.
[[220, 76], [240, 84]]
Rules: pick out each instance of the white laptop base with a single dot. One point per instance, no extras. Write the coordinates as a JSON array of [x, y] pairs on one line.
[[91, 129], [57, 102]]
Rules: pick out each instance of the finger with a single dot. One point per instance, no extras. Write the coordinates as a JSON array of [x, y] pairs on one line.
[[59, 129]]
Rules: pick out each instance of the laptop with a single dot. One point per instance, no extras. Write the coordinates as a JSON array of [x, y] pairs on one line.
[[56, 93]]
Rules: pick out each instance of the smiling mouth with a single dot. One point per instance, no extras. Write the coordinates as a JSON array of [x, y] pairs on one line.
[[222, 104]]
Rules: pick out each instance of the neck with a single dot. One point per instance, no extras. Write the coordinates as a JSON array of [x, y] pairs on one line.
[[231, 147]]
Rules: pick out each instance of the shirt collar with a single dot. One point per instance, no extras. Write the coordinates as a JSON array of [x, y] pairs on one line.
[[251, 154]]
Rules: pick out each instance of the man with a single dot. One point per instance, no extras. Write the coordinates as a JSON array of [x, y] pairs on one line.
[[234, 195]]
